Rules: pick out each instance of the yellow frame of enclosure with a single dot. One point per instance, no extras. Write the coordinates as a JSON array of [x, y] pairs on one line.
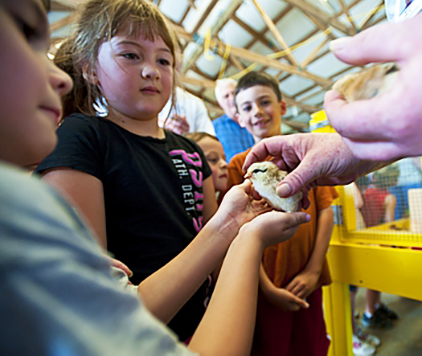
[[365, 258]]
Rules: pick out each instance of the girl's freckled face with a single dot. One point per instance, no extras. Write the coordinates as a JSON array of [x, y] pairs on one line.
[[135, 75]]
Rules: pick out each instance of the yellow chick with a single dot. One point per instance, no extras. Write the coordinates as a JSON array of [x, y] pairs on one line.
[[368, 83], [265, 177]]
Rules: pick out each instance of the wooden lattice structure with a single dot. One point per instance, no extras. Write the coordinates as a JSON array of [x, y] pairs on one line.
[[287, 38]]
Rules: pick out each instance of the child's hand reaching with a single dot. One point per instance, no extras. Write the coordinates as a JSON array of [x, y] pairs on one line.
[[303, 284], [275, 227], [239, 206]]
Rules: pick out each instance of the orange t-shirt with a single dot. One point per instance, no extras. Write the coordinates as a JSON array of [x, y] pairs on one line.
[[284, 261]]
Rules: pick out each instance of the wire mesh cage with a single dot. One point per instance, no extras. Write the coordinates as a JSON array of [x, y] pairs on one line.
[[385, 207]]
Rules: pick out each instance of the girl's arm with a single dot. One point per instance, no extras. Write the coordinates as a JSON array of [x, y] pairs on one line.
[[86, 193], [230, 317], [210, 203], [169, 288], [389, 207], [305, 282]]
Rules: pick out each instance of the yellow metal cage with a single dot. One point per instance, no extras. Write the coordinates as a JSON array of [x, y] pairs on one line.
[[373, 251]]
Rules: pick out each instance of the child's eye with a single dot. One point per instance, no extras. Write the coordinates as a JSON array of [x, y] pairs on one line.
[[212, 160], [246, 108], [129, 56], [164, 62], [28, 31], [266, 102]]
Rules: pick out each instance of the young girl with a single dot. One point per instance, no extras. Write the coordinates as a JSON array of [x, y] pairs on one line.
[[55, 278], [216, 158], [145, 191]]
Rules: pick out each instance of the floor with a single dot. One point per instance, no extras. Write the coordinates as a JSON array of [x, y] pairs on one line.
[[405, 338]]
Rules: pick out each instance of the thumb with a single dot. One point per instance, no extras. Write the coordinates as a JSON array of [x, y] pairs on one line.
[[382, 43], [302, 303], [296, 180], [294, 219]]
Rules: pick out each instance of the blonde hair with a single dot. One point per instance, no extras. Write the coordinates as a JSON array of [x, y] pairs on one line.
[[99, 21]]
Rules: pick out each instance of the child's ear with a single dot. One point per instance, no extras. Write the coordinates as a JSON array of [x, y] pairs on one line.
[[90, 75], [239, 120], [283, 107]]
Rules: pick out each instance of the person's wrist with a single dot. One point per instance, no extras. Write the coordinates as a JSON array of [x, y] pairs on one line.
[[224, 225], [248, 232], [248, 238]]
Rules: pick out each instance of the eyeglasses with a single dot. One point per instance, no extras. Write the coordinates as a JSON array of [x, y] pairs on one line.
[[399, 10]]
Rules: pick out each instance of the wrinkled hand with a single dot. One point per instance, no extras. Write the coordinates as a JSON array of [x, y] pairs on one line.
[[177, 124], [275, 226], [285, 300], [303, 284], [385, 127], [312, 159]]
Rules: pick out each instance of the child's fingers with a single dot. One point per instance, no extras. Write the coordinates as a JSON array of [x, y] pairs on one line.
[[120, 265]]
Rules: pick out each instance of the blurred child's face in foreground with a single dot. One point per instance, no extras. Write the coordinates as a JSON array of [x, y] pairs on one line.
[[135, 75], [214, 154], [30, 84], [260, 111]]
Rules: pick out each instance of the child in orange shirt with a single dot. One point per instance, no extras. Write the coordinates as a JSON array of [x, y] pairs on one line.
[[290, 318]]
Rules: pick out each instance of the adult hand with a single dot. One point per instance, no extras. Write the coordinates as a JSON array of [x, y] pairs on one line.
[[385, 127], [312, 159], [177, 124]]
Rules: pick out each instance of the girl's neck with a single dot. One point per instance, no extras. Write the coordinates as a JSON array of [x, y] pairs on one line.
[[141, 127]]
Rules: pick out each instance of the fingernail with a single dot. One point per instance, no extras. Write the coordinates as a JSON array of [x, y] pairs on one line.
[[308, 217], [339, 44], [284, 190]]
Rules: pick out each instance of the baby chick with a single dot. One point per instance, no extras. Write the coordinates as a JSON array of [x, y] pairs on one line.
[[368, 83], [265, 177]]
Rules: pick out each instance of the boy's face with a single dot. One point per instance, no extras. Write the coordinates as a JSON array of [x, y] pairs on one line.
[[30, 85], [260, 111]]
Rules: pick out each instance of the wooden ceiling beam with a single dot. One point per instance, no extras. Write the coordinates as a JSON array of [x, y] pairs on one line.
[[257, 35], [63, 22], [308, 8], [283, 13], [274, 63], [311, 56], [311, 95], [346, 11], [204, 16], [305, 107], [201, 73], [202, 82], [56, 6], [276, 33], [185, 14], [371, 16], [222, 20]]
